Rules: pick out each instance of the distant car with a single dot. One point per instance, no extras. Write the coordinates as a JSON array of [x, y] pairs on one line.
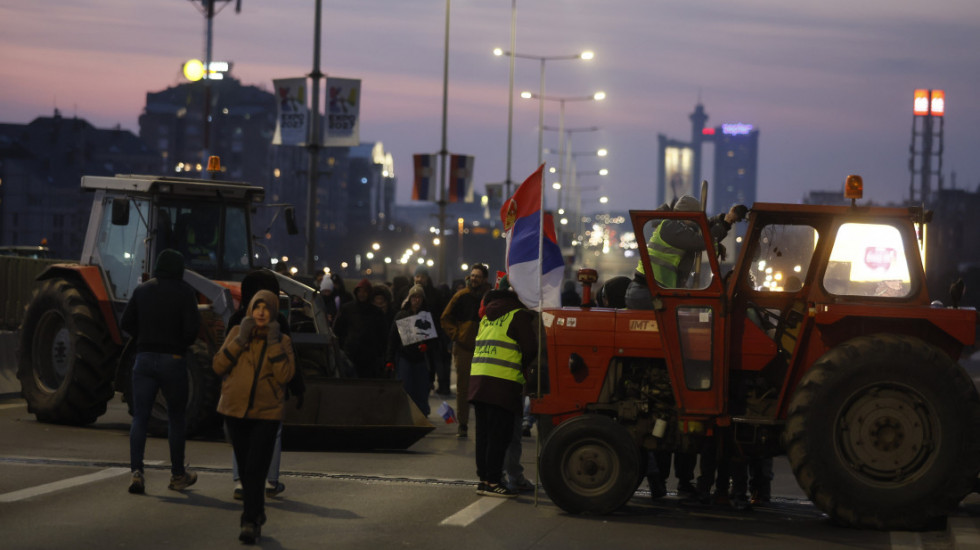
[[26, 251]]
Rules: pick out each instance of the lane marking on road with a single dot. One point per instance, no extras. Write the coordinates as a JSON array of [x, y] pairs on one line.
[[473, 512], [12, 406], [905, 540], [62, 485]]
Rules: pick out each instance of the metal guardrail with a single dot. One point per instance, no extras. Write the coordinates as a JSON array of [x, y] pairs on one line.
[[16, 283]]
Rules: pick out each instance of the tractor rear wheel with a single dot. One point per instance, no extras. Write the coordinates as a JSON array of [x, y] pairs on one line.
[[590, 464], [67, 357], [881, 433]]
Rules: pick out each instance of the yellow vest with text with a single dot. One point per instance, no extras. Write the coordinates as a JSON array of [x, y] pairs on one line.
[[664, 258], [496, 354]]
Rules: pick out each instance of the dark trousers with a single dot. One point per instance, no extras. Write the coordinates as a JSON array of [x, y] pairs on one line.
[[415, 379], [253, 442], [683, 465], [168, 374], [494, 427]]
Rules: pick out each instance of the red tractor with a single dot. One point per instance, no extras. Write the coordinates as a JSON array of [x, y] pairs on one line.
[[820, 342]]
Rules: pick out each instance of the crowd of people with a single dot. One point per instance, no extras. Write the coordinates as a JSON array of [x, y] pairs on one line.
[[486, 334]]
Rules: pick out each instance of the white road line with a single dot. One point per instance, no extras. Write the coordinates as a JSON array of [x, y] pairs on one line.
[[905, 540], [61, 485], [473, 512], [12, 406]]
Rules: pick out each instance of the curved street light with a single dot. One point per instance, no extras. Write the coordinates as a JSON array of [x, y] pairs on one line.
[[597, 96], [586, 55]]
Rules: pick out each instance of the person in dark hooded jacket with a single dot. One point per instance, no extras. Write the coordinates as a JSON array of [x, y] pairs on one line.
[[506, 350], [360, 325], [162, 318]]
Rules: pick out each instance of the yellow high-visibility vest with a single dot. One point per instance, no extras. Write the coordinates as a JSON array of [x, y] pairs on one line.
[[497, 354], [665, 259]]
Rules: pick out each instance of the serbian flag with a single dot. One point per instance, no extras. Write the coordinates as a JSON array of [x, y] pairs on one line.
[[534, 264], [460, 178], [424, 187], [447, 413]]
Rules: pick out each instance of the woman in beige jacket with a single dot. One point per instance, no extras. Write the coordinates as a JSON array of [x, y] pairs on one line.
[[256, 362]]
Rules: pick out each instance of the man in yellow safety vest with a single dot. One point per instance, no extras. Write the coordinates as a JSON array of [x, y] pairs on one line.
[[506, 350], [673, 247]]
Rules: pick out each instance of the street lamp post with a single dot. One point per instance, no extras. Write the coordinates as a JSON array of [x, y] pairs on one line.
[[565, 136], [585, 56]]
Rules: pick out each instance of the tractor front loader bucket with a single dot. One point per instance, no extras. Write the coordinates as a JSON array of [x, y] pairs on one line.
[[349, 414]]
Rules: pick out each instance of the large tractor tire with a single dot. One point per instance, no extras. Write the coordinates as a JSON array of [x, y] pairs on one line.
[[590, 464], [204, 388], [882, 433], [67, 357]]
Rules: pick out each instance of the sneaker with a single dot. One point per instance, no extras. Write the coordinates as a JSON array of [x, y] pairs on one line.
[[482, 488], [183, 481], [273, 489], [686, 489], [461, 431], [739, 502], [238, 491], [136, 485], [250, 532], [658, 489], [523, 485], [499, 490]]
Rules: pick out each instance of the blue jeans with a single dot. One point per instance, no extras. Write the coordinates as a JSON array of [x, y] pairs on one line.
[[168, 374], [273, 475], [415, 378]]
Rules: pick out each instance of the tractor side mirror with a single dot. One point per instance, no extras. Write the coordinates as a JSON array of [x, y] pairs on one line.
[[290, 214], [120, 211]]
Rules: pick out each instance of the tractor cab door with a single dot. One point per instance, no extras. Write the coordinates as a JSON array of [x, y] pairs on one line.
[[679, 265]]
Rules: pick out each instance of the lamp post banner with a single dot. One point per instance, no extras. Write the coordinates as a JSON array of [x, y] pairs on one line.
[[461, 178], [292, 116], [343, 113], [424, 186]]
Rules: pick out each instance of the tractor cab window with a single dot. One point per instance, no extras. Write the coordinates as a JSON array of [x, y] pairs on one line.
[[677, 254], [236, 239], [122, 248], [781, 258], [694, 328], [868, 259], [196, 234]]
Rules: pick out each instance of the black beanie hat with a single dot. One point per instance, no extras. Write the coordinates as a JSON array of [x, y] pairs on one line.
[[170, 265]]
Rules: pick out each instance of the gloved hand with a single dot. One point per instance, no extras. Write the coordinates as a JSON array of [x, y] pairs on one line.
[[423, 347], [722, 253], [245, 331], [274, 333], [390, 367]]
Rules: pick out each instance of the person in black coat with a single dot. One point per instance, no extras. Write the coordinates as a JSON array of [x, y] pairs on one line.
[[162, 318], [359, 326]]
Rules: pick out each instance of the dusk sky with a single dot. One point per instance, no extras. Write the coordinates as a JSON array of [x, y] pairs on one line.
[[829, 84]]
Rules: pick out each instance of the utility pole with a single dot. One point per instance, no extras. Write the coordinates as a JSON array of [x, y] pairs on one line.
[[313, 146]]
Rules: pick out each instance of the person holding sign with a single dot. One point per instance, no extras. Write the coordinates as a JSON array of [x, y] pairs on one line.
[[411, 343]]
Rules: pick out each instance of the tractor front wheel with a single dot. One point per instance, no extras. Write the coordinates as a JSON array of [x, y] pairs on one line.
[[590, 464]]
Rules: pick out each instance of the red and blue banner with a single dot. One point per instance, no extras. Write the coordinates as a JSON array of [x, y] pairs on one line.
[[424, 187], [460, 178], [534, 264]]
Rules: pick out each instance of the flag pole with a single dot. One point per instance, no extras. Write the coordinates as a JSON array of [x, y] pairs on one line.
[[539, 309]]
